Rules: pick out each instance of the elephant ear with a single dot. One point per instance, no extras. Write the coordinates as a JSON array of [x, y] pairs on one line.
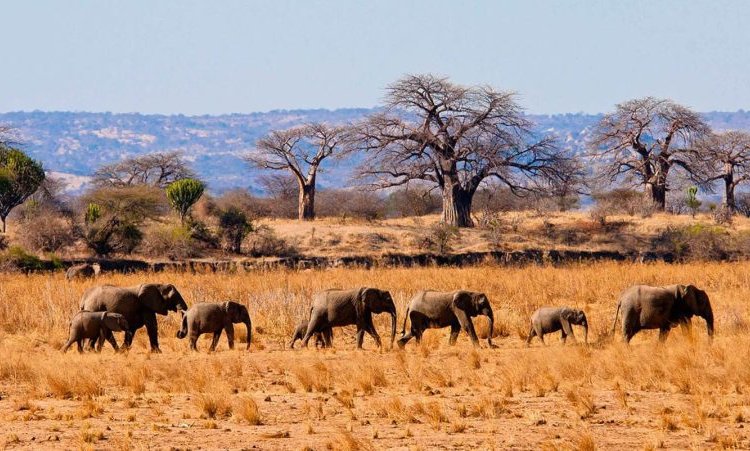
[[151, 296], [463, 301], [360, 304]]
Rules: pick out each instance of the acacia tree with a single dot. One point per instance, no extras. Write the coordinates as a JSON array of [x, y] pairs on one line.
[[456, 137], [727, 158], [20, 176], [299, 150], [643, 139], [156, 169]]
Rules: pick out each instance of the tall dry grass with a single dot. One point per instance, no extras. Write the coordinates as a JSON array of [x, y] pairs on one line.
[[448, 390]]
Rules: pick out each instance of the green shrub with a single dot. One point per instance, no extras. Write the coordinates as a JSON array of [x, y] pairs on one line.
[[183, 194], [15, 258], [695, 242]]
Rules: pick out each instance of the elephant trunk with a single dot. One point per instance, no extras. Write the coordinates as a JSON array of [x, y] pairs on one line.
[[182, 333], [393, 326], [249, 326]]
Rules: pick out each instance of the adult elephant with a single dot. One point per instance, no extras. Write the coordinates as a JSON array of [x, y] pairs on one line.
[[645, 307], [337, 308], [435, 309], [138, 304]]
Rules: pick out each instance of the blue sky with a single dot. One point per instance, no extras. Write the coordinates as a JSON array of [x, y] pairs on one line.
[[213, 57]]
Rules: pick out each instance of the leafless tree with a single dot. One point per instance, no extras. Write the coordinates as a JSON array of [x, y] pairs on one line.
[[156, 169], [642, 140], [727, 158], [455, 137], [299, 150]]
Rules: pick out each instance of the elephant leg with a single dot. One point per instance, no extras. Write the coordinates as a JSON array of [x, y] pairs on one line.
[[90, 344], [567, 329], [314, 325], [110, 337], [563, 337], [370, 328], [67, 345], [328, 338], [80, 346], [532, 334], [663, 333], [360, 336], [229, 329], [128, 340], [455, 329], [686, 326], [193, 342], [215, 340], [153, 332], [467, 326], [408, 336], [100, 341]]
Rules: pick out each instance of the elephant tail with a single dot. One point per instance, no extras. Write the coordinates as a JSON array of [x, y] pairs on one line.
[[182, 333], [406, 316], [614, 323]]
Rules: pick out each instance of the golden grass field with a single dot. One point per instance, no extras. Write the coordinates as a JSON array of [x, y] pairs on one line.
[[687, 393]]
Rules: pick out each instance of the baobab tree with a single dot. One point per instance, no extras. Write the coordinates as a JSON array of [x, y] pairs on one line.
[[456, 137], [727, 158], [301, 151], [643, 139]]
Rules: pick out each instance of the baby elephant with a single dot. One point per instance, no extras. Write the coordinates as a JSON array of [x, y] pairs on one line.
[[551, 319], [322, 339], [84, 271], [208, 318], [93, 326]]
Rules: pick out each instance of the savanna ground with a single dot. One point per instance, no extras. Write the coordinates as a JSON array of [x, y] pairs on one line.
[[688, 393]]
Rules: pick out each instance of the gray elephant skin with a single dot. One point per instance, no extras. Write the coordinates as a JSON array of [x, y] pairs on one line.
[[95, 326], [322, 339], [454, 309], [211, 318], [646, 307], [139, 305], [547, 320], [83, 271], [338, 308]]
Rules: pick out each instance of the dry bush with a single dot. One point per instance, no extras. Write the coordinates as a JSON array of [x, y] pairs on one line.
[[247, 410], [214, 404], [172, 241], [264, 242]]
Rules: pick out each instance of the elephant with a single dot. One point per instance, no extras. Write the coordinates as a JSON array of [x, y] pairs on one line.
[[337, 308], [139, 305], [435, 309], [84, 271], [93, 326], [546, 320], [322, 339], [207, 318], [646, 307]]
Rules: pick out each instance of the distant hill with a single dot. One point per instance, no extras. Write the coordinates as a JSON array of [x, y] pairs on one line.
[[73, 145]]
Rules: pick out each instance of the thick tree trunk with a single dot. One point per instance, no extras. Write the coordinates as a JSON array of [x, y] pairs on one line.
[[307, 201], [457, 206], [729, 195], [658, 193]]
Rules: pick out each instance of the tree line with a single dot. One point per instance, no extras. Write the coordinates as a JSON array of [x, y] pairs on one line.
[[436, 136]]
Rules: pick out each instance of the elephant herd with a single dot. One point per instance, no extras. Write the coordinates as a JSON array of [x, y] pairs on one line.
[[106, 309]]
